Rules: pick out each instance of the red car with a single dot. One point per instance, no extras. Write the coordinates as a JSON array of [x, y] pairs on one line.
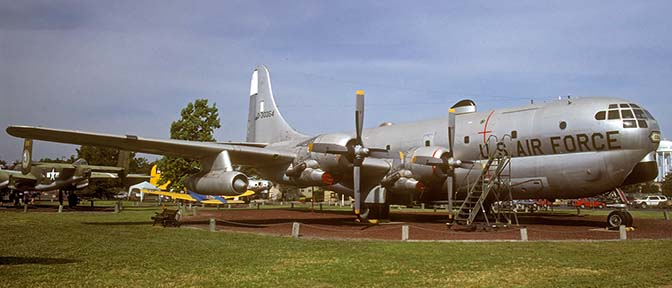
[[589, 203]]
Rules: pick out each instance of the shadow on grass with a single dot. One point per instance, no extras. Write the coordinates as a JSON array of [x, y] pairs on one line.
[[35, 260]]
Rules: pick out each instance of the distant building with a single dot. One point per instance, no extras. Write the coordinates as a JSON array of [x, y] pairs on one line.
[[664, 159]]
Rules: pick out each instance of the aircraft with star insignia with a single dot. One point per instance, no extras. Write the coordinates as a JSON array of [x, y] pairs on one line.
[[64, 177]]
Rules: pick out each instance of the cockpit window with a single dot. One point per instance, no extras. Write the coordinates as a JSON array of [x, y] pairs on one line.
[[633, 116], [613, 114], [642, 124], [629, 124], [601, 115], [639, 114], [627, 114]]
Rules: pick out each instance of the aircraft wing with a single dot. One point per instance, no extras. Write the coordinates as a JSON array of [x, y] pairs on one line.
[[103, 175], [103, 168], [55, 165], [173, 195], [130, 179], [240, 154], [18, 175]]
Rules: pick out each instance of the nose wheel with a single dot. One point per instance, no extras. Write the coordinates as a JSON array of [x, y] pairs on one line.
[[618, 218]]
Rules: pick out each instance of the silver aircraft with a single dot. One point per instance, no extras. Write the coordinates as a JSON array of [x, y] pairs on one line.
[[564, 149]]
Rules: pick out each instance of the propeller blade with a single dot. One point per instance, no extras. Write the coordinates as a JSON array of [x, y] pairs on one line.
[[358, 194], [359, 115], [328, 148], [451, 130]]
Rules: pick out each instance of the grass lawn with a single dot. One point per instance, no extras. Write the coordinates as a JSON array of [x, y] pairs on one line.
[[97, 249]]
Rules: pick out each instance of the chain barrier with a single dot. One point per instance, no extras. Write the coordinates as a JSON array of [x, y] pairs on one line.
[[566, 232], [251, 225], [358, 231]]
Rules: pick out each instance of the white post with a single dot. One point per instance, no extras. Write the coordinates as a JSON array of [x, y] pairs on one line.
[[25, 208], [404, 233], [193, 211], [342, 200], [213, 224], [60, 208], [523, 234], [622, 234], [296, 226], [667, 214]]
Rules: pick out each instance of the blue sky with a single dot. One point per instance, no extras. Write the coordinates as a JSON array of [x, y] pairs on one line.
[[129, 67]]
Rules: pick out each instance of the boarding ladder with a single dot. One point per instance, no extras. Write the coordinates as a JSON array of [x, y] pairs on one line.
[[488, 181]]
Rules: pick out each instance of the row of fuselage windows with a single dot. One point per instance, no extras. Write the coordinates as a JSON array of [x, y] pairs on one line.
[[632, 117]]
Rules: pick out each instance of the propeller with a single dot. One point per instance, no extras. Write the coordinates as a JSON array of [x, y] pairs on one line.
[[360, 152], [449, 163], [355, 151], [450, 179]]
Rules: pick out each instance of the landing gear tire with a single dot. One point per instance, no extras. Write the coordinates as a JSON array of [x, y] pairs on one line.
[[618, 218]]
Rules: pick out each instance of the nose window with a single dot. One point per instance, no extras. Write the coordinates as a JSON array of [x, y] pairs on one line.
[[601, 115], [613, 114], [640, 114], [627, 114], [633, 116]]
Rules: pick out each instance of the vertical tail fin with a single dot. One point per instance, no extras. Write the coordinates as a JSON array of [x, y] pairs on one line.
[[264, 122], [27, 156]]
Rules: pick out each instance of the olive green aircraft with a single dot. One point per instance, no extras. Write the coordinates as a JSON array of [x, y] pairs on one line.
[[565, 149], [65, 177]]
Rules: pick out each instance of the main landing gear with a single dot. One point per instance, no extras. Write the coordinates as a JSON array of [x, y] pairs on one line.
[[621, 216], [618, 218]]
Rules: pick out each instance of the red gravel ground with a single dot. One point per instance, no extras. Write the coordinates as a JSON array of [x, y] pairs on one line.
[[422, 226]]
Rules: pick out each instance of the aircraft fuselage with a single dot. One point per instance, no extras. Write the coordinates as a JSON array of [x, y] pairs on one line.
[[558, 149]]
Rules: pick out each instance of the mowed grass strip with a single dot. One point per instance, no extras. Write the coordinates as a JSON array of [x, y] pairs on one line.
[[106, 249]]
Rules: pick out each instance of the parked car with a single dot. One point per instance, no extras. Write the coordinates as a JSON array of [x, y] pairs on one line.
[[527, 205], [649, 200], [589, 203], [543, 203]]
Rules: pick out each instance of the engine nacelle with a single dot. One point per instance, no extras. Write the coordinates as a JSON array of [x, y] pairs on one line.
[[332, 163], [308, 173], [259, 185], [218, 182], [402, 181], [425, 173]]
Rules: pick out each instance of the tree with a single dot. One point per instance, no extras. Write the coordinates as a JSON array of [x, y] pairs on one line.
[[197, 123], [667, 185]]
